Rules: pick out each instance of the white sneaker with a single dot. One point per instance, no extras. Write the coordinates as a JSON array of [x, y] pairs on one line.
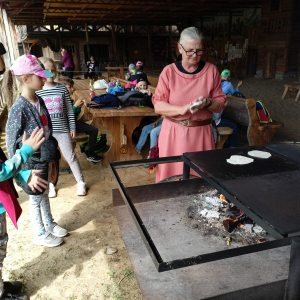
[[52, 192], [81, 190], [47, 239], [57, 230]]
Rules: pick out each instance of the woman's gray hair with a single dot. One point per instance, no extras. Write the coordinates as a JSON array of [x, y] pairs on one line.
[[190, 33]]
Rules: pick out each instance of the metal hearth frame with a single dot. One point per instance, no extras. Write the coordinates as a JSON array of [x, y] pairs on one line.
[[161, 265]]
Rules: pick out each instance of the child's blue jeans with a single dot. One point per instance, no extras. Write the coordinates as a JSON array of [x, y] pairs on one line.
[[40, 211], [154, 133]]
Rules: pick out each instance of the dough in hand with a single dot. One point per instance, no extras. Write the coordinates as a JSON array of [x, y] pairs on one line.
[[195, 106], [144, 91], [259, 154], [239, 160]]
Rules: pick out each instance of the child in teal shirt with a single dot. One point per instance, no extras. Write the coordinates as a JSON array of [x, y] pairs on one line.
[[8, 198]]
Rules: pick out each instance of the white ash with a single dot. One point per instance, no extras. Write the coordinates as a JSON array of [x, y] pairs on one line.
[[248, 227], [257, 229], [210, 216], [214, 201], [203, 212]]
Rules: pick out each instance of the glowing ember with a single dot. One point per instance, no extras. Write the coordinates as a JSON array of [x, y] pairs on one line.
[[222, 197]]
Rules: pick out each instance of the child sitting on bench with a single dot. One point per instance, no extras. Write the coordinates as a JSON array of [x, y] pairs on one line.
[[221, 122], [89, 130], [227, 86]]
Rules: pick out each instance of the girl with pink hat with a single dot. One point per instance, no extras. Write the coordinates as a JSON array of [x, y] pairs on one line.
[[139, 73], [28, 112]]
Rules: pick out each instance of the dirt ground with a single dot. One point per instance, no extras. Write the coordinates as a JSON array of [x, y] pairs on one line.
[[80, 268]]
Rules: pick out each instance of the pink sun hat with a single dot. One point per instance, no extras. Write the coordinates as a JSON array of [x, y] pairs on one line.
[[28, 64], [139, 63]]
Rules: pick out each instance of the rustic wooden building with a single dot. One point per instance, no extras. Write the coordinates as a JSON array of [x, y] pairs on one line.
[[279, 38], [251, 37]]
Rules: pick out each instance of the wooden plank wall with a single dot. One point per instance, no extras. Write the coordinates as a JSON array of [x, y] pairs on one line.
[[219, 46], [9, 39], [275, 36], [294, 57]]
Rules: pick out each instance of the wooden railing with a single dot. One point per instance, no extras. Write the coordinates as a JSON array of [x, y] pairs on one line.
[[2, 100]]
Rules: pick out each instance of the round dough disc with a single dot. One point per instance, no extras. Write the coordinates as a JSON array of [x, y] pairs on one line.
[[259, 154], [239, 160]]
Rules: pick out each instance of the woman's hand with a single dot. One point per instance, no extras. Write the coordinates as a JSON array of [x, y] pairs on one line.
[[35, 140], [35, 182], [78, 103], [155, 123], [185, 109], [73, 134], [204, 100]]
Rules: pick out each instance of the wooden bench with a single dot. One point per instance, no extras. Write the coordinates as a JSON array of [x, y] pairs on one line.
[[80, 137], [288, 89], [243, 111], [224, 133], [153, 81]]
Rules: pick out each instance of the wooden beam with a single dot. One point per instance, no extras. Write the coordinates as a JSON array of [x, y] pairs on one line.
[[87, 40], [114, 41], [150, 30], [201, 24], [45, 14], [24, 48], [170, 45], [229, 26]]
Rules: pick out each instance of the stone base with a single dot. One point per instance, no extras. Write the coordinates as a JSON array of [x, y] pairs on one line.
[[259, 74]]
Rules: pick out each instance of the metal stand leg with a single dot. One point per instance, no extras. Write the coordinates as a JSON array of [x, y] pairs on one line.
[[293, 284], [186, 172]]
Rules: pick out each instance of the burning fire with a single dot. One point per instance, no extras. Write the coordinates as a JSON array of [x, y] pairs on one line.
[[222, 197]]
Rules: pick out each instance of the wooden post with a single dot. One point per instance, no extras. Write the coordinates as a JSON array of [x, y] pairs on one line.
[[25, 48], [113, 32], [201, 24], [59, 39], [229, 26], [170, 45], [87, 40], [150, 47], [122, 74]]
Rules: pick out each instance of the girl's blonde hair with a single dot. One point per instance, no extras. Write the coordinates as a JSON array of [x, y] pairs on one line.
[[10, 88], [49, 59]]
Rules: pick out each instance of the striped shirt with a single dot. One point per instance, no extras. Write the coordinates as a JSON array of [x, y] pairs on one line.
[[60, 108]]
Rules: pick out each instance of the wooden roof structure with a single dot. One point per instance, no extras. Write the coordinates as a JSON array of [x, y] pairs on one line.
[[121, 12]]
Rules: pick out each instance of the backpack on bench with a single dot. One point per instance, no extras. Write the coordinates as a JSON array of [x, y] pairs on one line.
[[133, 98], [262, 113]]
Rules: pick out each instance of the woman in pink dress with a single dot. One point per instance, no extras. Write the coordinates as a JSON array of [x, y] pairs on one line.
[[180, 85]]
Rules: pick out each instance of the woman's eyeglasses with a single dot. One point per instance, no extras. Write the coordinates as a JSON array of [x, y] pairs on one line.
[[191, 53]]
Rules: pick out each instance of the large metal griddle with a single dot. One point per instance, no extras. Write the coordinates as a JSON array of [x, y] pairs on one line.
[[264, 190]]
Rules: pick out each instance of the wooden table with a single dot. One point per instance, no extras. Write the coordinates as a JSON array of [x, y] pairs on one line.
[[60, 71], [83, 84], [288, 89], [112, 120], [119, 72]]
